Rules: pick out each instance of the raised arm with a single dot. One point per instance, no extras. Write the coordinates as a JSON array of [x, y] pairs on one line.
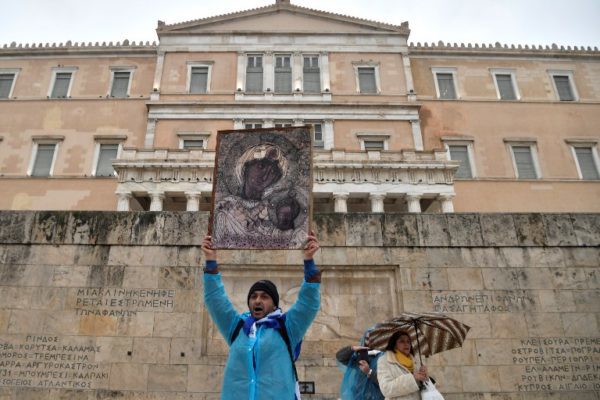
[[220, 308]]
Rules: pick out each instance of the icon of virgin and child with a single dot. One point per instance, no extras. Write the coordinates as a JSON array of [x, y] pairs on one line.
[[261, 195]]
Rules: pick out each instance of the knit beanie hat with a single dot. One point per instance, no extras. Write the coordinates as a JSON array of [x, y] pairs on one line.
[[266, 286]]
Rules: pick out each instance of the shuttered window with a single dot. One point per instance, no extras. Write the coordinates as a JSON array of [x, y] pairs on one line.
[[366, 80], [254, 74], [312, 74], [43, 159], [108, 153], [6, 82], [283, 74], [587, 165], [199, 80], [563, 87], [61, 85], [120, 84], [461, 153], [446, 85], [253, 125], [505, 87], [374, 145], [524, 162], [193, 144], [283, 124]]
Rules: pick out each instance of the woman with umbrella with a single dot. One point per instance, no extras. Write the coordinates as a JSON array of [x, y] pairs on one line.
[[398, 376]]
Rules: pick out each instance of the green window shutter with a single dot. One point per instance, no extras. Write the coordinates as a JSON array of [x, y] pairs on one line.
[[199, 80], [446, 86], [587, 166], [563, 86], [461, 153], [108, 152], [505, 87], [6, 82], [43, 159], [524, 161], [61, 85], [366, 80], [120, 84]]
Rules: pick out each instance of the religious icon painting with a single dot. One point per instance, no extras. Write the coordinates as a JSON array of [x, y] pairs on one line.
[[262, 188]]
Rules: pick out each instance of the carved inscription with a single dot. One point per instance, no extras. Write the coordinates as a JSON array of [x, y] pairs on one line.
[[484, 301], [117, 302], [50, 362], [557, 364]]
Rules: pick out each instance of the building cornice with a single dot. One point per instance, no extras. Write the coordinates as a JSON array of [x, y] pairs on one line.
[[69, 48], [499, 49]]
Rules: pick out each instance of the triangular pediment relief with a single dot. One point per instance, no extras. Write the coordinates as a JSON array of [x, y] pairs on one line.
[[284, 18]]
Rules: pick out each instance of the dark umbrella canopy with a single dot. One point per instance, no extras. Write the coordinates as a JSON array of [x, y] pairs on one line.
[[430, 333]]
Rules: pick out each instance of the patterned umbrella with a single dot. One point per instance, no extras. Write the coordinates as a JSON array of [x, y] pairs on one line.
[[430, 333]]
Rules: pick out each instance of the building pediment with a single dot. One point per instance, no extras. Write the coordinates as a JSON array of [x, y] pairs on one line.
[[281, 17]]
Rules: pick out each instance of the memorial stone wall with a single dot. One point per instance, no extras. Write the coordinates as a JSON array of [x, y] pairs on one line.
[[108, 305]]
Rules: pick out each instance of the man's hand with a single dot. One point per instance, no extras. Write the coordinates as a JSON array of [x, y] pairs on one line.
[[207, 249], [312, 245], [364, 367]]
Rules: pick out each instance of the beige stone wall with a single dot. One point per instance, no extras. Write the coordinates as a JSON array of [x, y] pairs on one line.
[[398, 133], [118, 296]]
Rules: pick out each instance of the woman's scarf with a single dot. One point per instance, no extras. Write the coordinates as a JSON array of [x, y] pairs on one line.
[[406, 361]]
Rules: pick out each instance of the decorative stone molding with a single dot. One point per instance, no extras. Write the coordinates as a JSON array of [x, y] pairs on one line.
[[553, 50]]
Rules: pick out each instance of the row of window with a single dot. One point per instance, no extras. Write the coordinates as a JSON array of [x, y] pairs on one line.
[[506, 84], [62, 81], [366, 79], [525, 160], [44, 155]]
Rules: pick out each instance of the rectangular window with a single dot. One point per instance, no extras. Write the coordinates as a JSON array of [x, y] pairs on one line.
[[311, 74], [506, 89], [43, 159], [108, 153], [6, 84], [120, 84], [461, 153], [254, 74], [283, 124], [283, 74], [586, 162], [563, 87], [374, 145], [366, 80], [193, 144], [524, 162], [62, 81], [445, 83], [252, 125], [199, 80]]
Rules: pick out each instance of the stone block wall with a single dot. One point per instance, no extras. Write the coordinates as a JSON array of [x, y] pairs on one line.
[[105, 305]]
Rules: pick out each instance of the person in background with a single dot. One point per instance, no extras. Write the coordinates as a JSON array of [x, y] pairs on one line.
[[399, 378], [360, 376]]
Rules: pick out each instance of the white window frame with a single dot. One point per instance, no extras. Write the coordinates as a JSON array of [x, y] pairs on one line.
[[114, 69], [192, 64], [56, 140], [532, 144], [558, 72], [585, 143], [319, 144], [58, 70], [369, 64], [183, 136], [15, 72], [100, 140], [513, 80], [446, 70], [373, 137], [462, 141]]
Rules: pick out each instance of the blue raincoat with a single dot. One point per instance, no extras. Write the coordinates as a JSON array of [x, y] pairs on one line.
[[259, 368]]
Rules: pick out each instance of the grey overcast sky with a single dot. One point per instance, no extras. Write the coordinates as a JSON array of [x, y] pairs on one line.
[[539, 22]]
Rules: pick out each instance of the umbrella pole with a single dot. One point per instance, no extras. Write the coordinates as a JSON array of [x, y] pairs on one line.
[[418, 344]]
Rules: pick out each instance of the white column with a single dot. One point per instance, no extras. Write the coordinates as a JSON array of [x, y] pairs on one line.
[[324, 67], [447, 204], [193, 201], [410, 87], [328, 135], [123, 201], [416, 133], [413, 200], [157, 201], [340, 205], [268, 72], [377, 202], [160, 61], [150, 128], [268, 123], [241, 72], [297, 72]]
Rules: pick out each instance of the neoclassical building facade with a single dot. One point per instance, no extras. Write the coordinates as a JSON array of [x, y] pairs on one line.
[[398, 127]]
